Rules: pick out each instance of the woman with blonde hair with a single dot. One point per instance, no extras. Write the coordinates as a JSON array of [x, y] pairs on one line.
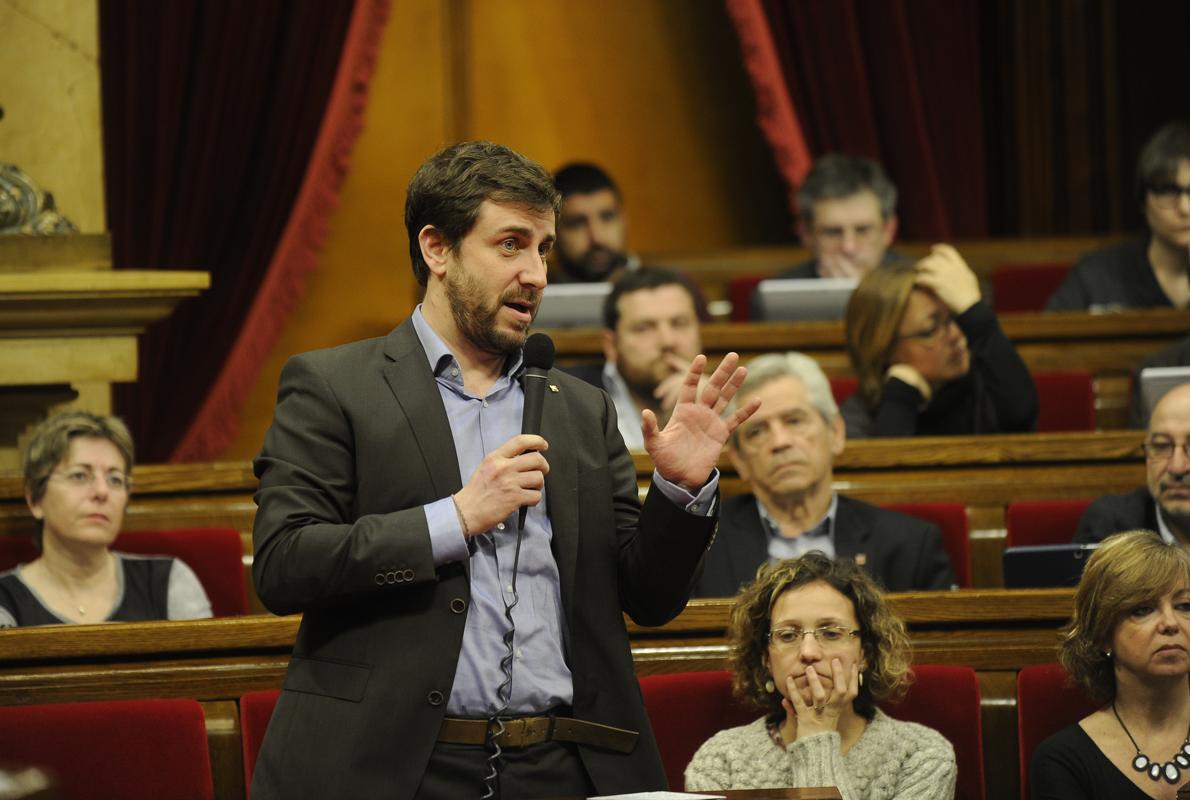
[[931, 357], [1128, 645], [78, 469], [815, 645]]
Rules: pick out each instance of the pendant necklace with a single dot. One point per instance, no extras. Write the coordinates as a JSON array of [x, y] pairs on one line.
[[1171, 770]]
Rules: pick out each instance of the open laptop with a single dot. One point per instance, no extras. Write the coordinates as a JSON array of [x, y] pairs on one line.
[[1156, 381], [572, 305], [1045, 566], [802, 300]]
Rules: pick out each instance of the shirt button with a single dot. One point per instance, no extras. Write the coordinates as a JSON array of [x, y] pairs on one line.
[[510, 589], [454, 372], [500, 527], [485, 403]]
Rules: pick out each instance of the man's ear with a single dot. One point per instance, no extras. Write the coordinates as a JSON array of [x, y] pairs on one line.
[[890, 229], [838, 435], [435, 249], [738, 461], [611, 352]]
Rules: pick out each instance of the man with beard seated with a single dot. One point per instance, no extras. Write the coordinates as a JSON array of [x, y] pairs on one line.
[[592, 227], [1164, 505], [785, 454], [651, 332]]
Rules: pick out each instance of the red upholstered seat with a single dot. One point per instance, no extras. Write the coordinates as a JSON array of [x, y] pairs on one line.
[[1066, 401], [215, 555], [946, 697], [739, 292], [1026, 286], [687, 708], [952, 519], [1045, 703], [1033, 522], [256, 709], [117, 750], [843, 388]]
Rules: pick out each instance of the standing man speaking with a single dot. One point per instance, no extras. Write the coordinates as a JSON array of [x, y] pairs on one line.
[[441, 654]]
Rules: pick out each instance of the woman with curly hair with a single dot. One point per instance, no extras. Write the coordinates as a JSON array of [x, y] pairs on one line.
[[1128, 645], [815, 645]]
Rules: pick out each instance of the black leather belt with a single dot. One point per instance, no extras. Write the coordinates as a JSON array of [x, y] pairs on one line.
[[524, 731]]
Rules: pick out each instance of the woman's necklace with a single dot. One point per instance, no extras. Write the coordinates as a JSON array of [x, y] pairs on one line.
[[1171, 770]]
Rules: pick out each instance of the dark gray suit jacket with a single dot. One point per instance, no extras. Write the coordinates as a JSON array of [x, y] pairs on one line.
[[903, 553], [1116, 513], [360, 442]]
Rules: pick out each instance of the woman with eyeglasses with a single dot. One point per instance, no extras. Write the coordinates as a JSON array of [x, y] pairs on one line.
[[1148, 272], [930, 355], [814, 644], [77, 478]]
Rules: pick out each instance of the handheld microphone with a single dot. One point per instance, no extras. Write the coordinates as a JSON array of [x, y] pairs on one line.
[[538, 358]]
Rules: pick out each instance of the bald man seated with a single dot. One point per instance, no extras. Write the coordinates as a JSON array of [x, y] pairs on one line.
[[1164, 505]]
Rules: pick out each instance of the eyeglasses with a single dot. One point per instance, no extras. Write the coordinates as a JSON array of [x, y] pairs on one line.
[[83, 478], [1162, 449], [1168, 195], [933, 333], [827, 635]]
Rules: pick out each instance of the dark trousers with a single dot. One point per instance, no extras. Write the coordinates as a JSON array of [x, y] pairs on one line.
[[546, 770]]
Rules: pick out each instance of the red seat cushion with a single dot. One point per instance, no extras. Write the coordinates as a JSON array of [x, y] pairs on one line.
[[1046, 702], [1026, 286], [687, 708], [117, 750], [256, 709], [952, 519], [1034, 522], [1066, 401], [958, 718]]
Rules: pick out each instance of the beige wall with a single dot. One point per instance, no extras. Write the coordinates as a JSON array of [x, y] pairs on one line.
[[50, 96], [652, 89]]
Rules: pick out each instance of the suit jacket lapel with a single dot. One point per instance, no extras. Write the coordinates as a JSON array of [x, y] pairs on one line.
[[851, 533], [561, 487], [412, 383]]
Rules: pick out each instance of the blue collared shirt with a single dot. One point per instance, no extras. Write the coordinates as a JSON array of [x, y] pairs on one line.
[[820, 537], [541, 677]]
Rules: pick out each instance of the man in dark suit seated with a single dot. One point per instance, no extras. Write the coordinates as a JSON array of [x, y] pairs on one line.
[[786, 452], [1164, 505], [847, 217], [650, 333]]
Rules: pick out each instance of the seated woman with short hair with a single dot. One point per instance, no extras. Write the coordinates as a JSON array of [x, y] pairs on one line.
[[77, 478], [930, 355], [814, 644], [1127, 644]]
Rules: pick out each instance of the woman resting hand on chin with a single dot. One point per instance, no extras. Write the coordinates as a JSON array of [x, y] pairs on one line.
[[815, 645], [930, 355], [1128, 644], [77, 480]]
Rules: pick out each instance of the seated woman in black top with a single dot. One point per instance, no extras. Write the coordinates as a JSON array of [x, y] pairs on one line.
[[1128, 644], [77, 479], [931, 357]]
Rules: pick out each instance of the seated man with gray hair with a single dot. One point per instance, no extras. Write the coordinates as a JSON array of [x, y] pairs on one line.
[[786, 453]]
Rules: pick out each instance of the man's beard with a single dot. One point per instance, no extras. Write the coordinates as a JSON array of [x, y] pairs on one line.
[[597, 264], [475, 317], [643, 383]]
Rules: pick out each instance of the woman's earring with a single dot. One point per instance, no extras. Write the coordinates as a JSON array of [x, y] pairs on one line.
[[861, 679], [769, 686], [1108, 654]]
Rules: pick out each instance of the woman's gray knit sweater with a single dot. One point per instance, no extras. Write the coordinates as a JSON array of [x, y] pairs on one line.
[[891, 760]]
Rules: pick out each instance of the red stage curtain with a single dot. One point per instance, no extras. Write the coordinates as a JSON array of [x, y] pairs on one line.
[[223, 154], [897, 82]]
